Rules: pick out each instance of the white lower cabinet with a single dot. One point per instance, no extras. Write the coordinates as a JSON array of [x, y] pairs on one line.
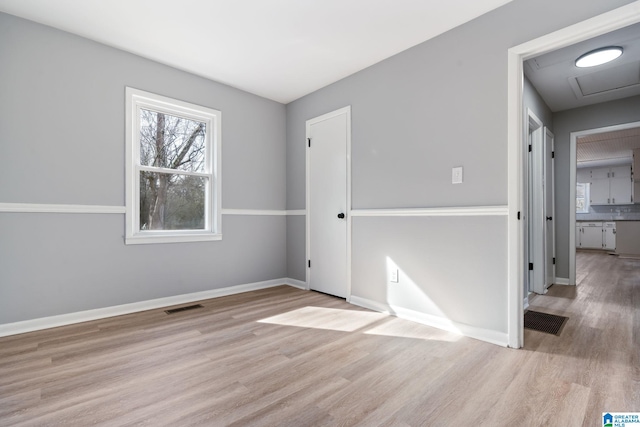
[[591, 235], [596, 235], [609, 235]]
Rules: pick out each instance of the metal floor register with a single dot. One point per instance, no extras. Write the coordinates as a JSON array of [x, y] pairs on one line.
[[543, 322]]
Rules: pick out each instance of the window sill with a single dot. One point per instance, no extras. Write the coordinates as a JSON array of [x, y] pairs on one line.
[[173, 238]]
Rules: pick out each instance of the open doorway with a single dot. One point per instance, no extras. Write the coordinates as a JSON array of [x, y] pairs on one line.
[[606, 192], [585, 32]]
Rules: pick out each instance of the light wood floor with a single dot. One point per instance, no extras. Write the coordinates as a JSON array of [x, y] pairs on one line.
[[288, 357]]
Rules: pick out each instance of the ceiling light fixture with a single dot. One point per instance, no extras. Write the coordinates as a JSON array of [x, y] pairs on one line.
[[599, 56]]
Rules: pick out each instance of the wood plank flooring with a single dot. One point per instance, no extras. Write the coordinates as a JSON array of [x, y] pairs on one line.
[[283, 356]]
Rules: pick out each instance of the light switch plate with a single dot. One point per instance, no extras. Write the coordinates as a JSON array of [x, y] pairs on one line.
[[456, 175], [393, 276]]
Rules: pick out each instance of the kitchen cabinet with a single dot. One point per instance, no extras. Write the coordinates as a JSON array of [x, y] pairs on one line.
[[600, 173], [596, 235], [611, 186], [621, 190], [584, 175], [591, 235], [600, 188], [609, 235]]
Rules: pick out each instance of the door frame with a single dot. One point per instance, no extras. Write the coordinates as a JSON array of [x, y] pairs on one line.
[[593, 27], [345, 110], [573, 165], [552, 188]]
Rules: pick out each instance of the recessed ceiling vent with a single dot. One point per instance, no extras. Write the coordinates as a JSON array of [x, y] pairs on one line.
[[600, 82]]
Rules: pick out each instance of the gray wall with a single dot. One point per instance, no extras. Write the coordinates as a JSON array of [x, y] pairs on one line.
[[628, 237], [62, 102], [435, 276], [595, 116], [296, 249], [533, 101], [437, 105]]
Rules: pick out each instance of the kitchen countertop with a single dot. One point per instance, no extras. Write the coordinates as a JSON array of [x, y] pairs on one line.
[[607, 218]]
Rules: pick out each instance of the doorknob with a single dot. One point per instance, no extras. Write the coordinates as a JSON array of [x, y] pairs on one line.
[[549, 218], [341, 215]]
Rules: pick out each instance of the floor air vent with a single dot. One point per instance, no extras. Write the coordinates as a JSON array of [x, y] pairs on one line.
[[543, 322], [178, 310]]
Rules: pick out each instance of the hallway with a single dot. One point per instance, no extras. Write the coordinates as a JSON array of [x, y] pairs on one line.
[[597, 352]]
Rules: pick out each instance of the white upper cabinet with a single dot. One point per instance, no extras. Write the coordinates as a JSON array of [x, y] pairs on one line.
[[621, 190], [600, 191], [600, 173], [583, 175], [611, 185]]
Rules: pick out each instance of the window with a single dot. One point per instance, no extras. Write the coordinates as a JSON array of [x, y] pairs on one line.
[[582, 197], [173, 161]]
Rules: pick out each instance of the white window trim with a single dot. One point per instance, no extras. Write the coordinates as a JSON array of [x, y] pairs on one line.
[[136, 99]]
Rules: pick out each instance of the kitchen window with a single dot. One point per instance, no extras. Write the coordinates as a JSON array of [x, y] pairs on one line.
[[582, 197]]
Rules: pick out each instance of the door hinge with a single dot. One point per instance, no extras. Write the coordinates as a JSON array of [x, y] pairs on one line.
[[530, 266], [554, 261], [309, 263], [309, 141], [553, 154], [529, 147], [518, 215]]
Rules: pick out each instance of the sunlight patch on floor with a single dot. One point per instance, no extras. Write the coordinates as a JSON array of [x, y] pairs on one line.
[[326, 318]]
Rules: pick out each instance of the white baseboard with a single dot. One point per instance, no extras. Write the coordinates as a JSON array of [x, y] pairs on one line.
[[493, 337], [561, 281], [371, 305], [526, 303], [102, 313], [300, 284]]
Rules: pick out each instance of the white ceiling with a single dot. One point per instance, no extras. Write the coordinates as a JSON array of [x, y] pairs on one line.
[[608, 146], [279, 49], [563, 86]]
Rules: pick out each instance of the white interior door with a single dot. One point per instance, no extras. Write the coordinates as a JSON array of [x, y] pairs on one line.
[[537, 219], [328, 210], [549, 209]]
